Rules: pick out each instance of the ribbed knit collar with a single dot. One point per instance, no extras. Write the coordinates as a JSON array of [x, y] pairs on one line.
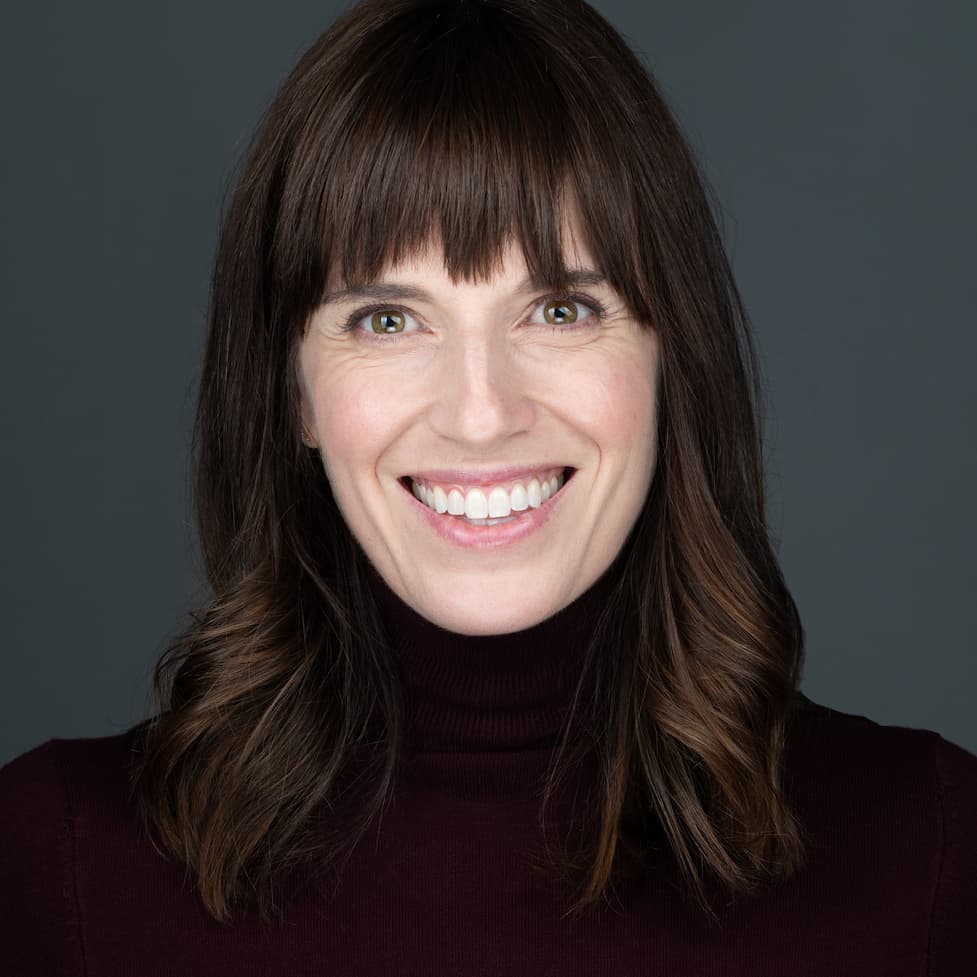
[[471, 693]]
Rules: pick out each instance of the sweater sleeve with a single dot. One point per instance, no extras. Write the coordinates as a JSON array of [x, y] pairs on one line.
[[39, 932], [953, 925]]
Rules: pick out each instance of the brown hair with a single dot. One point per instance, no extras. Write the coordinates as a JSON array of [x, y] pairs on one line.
[[278, 715]]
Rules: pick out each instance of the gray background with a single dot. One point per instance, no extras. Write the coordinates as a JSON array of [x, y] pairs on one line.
[[840, 140]]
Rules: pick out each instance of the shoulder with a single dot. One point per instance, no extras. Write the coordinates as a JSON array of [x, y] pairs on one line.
[[49, 795], [895, 805], [847, 743], [64, 777], [867, 759]]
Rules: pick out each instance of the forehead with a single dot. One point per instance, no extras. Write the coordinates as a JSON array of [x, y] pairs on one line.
[[430, 260]]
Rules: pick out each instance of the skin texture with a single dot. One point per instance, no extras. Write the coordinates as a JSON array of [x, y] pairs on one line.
[[478, 378]]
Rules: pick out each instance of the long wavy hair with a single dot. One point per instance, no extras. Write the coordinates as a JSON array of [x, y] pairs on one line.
[[278, 720]]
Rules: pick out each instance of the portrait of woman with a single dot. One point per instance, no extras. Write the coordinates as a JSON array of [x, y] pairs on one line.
[[500, 671]]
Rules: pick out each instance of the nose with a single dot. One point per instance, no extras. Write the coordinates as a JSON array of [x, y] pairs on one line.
[[480, 396]]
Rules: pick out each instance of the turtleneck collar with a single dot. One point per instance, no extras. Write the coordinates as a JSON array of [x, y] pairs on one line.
[[484, 693]]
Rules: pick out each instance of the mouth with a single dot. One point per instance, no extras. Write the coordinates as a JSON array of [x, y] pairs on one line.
[[487, 508]]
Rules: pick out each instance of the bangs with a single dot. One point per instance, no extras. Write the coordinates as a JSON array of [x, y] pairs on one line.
[[469, 125]]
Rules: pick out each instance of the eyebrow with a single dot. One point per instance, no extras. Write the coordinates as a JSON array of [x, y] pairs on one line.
[[384, 291]]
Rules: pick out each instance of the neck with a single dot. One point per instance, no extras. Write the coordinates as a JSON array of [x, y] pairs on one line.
[[471, 693]]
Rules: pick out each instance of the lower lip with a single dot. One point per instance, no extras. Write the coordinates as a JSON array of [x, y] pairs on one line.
[[462, 533]]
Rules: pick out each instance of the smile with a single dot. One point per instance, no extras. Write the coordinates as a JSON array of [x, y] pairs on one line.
[[489, 517], [490, 502]]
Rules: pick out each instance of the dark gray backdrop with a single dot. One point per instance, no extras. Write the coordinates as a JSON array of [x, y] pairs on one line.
[[840, 139]]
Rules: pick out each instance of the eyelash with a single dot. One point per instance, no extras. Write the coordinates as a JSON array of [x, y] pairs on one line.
[[596, 307]]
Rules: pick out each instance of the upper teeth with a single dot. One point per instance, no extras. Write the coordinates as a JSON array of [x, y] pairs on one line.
[[478, 503]]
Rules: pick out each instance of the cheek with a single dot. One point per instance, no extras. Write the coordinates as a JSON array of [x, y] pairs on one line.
[[630, 433], [353, 417], [618, 405]]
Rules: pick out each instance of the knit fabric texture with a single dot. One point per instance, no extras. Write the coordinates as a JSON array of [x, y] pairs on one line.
[[441, 885]]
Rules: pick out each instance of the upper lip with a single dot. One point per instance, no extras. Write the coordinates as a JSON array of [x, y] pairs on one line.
[[472, 476]]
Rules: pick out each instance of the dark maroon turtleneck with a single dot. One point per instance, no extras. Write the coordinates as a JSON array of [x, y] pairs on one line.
[[471, 693], [440, 885]]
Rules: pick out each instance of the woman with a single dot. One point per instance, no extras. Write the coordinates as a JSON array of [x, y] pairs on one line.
[[500, 674]]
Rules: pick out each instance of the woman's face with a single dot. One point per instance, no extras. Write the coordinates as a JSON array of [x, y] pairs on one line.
[[454, 386]]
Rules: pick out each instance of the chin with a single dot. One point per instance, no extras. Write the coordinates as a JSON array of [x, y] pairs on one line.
[[472, 619]]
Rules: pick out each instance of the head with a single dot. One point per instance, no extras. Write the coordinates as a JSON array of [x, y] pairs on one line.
[[433, 181], [481, 377], [469, 236]]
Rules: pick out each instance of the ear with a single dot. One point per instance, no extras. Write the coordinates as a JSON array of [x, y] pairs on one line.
[[306, 414], [308, 438], [307, 425]]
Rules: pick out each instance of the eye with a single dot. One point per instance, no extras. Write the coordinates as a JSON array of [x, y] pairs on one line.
[[387, 321], [568, 310], [379, 321]]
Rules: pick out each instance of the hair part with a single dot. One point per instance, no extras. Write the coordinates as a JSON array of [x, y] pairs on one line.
[[475, 125]]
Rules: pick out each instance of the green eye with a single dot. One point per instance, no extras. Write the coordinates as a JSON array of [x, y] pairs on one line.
[[387, 321], [560, 313]]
